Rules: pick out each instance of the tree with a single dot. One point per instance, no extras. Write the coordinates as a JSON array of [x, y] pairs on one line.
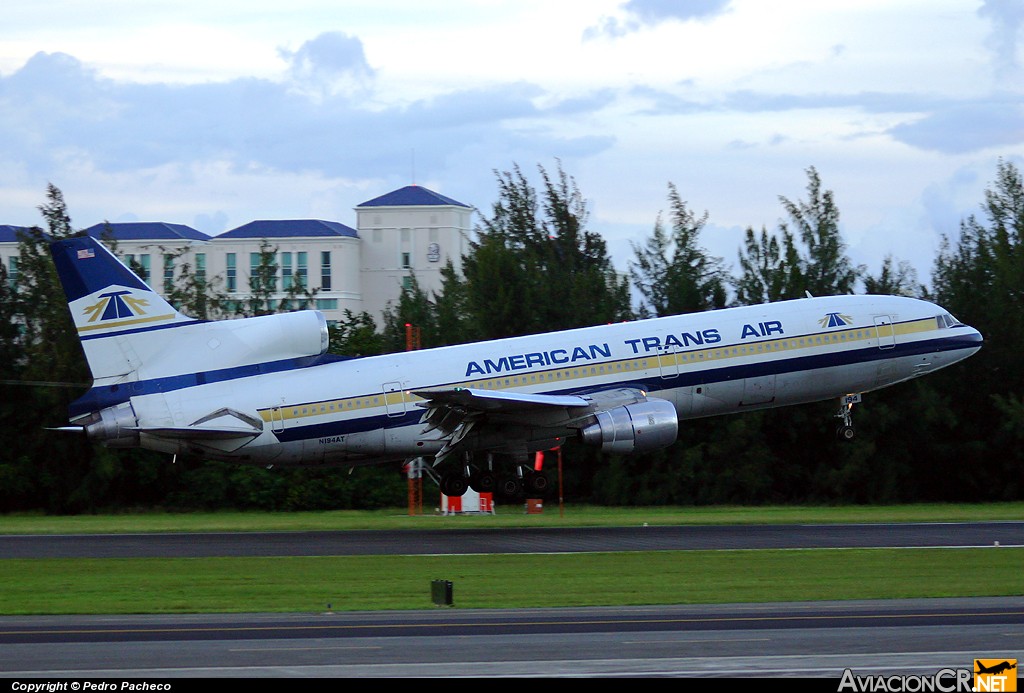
[[263, 283], [415, 309], [191, 291], [979, 278], [826, 269], [771, 271], [672, 272], [63, 467], [356, 335], [535, 267], [898, 280]]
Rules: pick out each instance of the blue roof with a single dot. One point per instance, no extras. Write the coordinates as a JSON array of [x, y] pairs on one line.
[[9, 234], [412, 196], [290, 228], [146, 231]]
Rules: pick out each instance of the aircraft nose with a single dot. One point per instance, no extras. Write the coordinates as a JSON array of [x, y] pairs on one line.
[[974, 340]]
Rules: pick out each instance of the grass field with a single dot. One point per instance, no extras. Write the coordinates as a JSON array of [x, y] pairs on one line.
[[340, 583]]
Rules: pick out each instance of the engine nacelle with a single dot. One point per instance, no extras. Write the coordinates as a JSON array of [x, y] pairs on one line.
[[208, 346], [639, 427], [112, 427]]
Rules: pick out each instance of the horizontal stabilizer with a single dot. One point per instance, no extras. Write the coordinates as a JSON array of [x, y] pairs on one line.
[[197, 432]]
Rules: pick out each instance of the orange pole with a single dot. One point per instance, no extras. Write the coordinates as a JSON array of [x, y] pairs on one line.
[[561, 498]]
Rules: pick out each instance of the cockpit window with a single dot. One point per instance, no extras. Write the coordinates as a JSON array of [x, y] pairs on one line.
[[947, 320]]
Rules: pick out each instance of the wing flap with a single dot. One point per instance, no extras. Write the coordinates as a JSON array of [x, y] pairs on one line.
[[494, 401]]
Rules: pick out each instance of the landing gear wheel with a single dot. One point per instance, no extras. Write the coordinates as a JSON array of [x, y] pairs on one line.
[[845, 433], [537, 483], [511, 487], [453, 485], [483, 482]]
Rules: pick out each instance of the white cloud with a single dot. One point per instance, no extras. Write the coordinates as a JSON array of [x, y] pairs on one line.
[[215, 114]]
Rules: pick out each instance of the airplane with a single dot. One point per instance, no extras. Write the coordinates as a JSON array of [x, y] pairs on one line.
[[264, 390], [994, 669]]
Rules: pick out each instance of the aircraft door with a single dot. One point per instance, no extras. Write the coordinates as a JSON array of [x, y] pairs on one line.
[[759, 390], [394, 399], [885, 331], [277, 419], [698, 400], [668, 361]]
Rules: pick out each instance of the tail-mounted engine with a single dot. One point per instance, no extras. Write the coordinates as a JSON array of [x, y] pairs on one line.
[[639, 427], [114, 427]]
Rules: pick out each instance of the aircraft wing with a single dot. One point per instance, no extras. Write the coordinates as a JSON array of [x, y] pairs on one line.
[[456, 411]]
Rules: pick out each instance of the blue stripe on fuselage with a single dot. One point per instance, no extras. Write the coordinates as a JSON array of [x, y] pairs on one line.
[[110, 395]]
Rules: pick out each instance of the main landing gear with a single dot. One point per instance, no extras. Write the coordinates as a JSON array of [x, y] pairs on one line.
[[845, 431], [521, 479]]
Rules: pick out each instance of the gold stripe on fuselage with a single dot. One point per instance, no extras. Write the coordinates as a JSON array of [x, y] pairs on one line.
[[621, 366]]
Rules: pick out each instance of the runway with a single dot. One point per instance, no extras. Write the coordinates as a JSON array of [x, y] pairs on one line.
[[518, 540], [804, 640]]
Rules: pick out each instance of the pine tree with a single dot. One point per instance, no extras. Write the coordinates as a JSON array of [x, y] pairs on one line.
[[535, 267], [770, 271], [673, 273], [826, 269]]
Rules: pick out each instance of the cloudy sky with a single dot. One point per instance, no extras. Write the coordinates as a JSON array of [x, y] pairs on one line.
[[216, 113]]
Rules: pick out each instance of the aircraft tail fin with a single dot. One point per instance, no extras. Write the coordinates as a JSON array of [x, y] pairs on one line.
[[114, 311]]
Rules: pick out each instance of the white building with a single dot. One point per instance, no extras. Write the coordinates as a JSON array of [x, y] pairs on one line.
[[410, 230]]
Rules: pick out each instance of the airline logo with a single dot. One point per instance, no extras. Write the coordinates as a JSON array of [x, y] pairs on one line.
[[995, 674], [116, 304], [835, 320]]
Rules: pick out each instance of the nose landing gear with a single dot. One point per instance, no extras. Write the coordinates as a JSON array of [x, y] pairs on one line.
[[845, 430]]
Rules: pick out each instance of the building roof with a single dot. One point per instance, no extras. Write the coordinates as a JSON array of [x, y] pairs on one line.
[[146, 231], [290, 228], [9, 234], [412, 196]]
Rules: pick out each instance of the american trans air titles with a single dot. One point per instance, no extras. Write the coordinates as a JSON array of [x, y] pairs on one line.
[[596, 352]]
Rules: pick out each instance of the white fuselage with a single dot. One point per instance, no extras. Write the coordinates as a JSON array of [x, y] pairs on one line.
[[363, 410]]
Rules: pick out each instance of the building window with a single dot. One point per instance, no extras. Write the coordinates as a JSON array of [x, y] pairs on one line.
[[232, 273], [327, 304], [256, 270], [138, 264], [286, 271], [301, 270], [12, 271], [406, 283], [406, 264], [201, 266], [168, 273], [325, 270]]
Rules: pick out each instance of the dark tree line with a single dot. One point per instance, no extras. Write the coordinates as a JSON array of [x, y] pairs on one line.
[[536, 266]]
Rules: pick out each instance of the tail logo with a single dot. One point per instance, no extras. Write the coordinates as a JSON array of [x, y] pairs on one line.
[[835, 320], [117, 307], [114, 305]]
